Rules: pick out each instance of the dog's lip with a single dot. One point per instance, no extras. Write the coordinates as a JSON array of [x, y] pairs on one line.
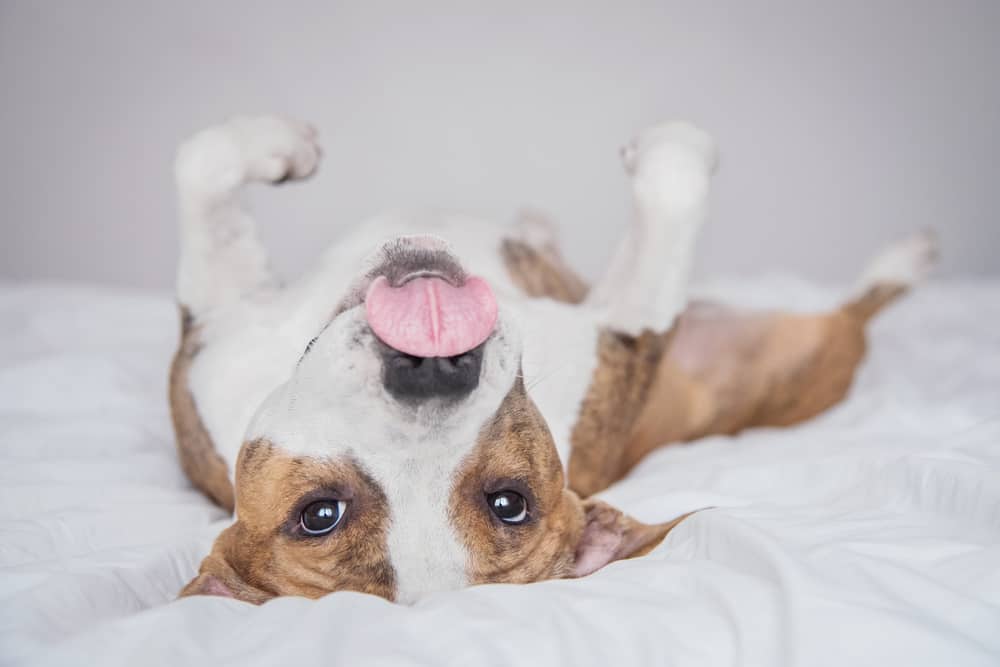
[[402, 260], [423, 273], [356, 296]]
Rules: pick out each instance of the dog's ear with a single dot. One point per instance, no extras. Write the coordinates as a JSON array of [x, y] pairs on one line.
[[609, 535], [207, 584], [217, 577]]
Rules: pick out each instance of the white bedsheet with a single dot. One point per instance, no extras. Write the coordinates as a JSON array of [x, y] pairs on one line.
[[868, 536]]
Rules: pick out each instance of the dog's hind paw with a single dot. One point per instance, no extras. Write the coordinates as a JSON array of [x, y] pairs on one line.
[[906, 262]]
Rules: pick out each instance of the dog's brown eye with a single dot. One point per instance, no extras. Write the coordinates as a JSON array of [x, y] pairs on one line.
[[322, 516], [508, 506]]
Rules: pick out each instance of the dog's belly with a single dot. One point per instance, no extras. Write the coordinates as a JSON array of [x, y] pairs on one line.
[[251, 348]]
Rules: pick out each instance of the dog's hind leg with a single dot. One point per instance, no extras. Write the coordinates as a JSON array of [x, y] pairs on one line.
[[222, 260], [894, 271], [728, 370]]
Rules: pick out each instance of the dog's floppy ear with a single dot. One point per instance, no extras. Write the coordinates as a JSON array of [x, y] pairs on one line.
[[609, 535], [207, 584], [217, 577]]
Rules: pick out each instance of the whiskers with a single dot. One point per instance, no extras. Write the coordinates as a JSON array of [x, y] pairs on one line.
[[543, 374]]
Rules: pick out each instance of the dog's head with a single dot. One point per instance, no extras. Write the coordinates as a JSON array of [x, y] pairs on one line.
[[404, 456]]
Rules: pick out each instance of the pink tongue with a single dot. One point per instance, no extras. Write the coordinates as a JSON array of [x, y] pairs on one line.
[[427, 317]]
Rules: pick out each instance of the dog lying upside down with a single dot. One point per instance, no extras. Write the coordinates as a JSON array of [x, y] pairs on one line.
[[434, 405]]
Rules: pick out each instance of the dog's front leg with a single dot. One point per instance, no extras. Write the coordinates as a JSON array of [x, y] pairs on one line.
[[645, 287], [222, 260]]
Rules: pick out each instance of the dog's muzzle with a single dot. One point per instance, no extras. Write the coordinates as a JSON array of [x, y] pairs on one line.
[[432, 325]]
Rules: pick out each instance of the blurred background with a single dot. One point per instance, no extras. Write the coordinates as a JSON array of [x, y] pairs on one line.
[[843, 125]]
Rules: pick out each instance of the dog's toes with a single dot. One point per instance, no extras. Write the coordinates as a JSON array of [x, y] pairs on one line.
[[275, 148], [271, 149]]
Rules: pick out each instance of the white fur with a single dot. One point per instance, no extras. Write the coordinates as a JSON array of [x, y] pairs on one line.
[[906, 262], [645, 286], [221, 257], [335, 406], [559, 360], [332, 403]]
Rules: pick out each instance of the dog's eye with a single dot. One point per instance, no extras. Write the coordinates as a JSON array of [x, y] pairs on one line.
[[508, 506], [322, 516]]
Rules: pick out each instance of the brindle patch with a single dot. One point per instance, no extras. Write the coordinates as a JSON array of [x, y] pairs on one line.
[[199, 459], [618, 392]]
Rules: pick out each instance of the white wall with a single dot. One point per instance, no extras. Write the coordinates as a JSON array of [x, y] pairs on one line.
[[842, 124]]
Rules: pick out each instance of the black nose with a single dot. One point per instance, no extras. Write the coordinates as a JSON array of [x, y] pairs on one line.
[[415, 379]]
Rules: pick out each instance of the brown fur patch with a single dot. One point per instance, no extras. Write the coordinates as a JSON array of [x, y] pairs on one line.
[[201, 463], [515, 451], [265, 554], [563, 536], [738, 371], [723, 372], [626, 368], [542, 272], [875, 299]]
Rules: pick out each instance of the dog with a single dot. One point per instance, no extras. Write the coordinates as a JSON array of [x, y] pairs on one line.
[[435, 405]]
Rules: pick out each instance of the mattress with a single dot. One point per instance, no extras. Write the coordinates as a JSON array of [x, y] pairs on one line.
[[870, 535]]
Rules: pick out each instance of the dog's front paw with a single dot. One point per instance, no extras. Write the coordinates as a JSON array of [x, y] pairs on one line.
[[671, 164], [270, 149]]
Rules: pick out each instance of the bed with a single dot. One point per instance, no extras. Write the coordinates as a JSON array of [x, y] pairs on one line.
[[870, 535]]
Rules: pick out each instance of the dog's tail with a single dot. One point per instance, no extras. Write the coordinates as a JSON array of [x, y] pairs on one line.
[[892, 273]]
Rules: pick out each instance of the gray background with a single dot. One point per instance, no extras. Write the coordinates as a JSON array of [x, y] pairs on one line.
[[842, 124]]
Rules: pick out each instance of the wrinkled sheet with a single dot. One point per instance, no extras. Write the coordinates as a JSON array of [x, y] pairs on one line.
[[870, 535]]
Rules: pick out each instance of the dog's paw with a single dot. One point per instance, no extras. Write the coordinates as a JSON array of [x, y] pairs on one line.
[[906, 262], [667, 139], [671, 164], [269, 149], [536, 229]]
